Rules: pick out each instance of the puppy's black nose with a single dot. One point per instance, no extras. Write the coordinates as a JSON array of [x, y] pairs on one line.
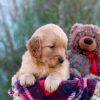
[[61, 60], [88, 41]]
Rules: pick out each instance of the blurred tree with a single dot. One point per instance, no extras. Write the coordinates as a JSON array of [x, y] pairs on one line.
[[19, 19]]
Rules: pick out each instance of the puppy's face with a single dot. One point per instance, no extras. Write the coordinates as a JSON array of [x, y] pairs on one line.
[[53, 51], [49, 45]]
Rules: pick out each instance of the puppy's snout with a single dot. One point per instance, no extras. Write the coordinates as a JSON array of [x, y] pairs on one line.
[[88, 41], [61, 60]]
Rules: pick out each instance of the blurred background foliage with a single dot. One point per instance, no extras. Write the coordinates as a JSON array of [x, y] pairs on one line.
[[20, 18]]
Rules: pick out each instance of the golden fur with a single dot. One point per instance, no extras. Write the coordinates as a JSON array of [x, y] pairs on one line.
[[44, 48]]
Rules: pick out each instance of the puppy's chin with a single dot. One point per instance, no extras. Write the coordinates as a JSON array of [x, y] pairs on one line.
[[50, 63], [53, 64]]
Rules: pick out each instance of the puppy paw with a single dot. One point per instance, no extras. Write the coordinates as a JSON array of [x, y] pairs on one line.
[[27, 80], [52, 84]]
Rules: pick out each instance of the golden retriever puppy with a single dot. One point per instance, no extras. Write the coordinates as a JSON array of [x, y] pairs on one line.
[[45, 57]]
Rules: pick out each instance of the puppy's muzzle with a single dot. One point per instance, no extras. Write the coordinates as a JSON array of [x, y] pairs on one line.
[[60, 60]]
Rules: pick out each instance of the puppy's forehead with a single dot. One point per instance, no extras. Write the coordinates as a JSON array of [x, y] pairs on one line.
[[54, 38], [51, 32]]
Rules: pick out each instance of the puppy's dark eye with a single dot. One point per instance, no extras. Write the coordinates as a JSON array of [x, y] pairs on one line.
[[51, 46]]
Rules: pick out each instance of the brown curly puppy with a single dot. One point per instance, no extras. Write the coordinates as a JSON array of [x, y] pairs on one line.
[[45, 57]]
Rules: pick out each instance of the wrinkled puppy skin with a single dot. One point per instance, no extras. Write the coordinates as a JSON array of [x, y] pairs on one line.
[[84, 39]]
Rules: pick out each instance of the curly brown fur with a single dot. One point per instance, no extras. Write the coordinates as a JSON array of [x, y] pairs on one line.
[[45, 57]]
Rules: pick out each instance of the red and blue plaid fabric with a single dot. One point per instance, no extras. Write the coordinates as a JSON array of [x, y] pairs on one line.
[[76, 89]]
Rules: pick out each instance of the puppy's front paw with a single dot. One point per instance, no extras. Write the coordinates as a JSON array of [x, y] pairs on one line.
[[52, 84], [27, 79]]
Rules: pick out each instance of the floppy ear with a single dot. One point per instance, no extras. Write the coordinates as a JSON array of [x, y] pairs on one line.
[[75, 27], [34, 45]]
